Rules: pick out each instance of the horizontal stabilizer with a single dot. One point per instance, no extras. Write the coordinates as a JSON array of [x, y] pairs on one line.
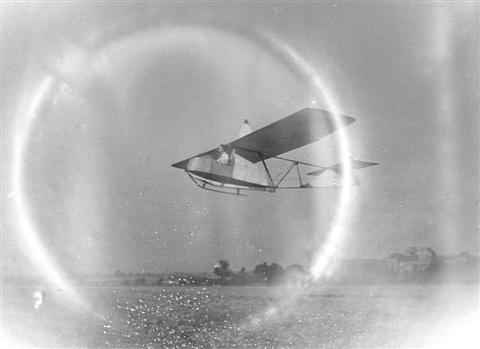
[[339, 168]]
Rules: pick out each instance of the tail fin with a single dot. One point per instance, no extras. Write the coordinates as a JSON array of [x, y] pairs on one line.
[[245, 129]]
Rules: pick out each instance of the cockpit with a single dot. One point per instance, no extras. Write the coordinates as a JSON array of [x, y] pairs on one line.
[[225, 155]]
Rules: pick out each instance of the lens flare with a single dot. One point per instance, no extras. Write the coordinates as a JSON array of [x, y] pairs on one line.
[[37, 252], [323, 260], [34, 248], [326, 255], [447, 113]]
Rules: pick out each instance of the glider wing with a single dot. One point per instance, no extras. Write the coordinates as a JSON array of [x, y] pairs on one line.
[[294, 131]]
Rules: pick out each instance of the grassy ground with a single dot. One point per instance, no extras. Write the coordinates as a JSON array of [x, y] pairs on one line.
[[227, 317]]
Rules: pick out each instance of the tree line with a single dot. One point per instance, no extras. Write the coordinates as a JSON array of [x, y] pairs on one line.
[[264, 273], [415, 265]]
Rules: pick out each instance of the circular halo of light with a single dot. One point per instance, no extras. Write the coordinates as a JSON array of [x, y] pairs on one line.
[[324, 258], [322, 261], [38, 254]]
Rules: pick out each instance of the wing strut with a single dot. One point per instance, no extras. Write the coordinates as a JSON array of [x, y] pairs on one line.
[[287, 171], [266, 169]]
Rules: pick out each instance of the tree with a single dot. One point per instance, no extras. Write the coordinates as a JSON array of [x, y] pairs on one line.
[[275, 272], [222, 269], [241, 277], [269, 273], [295, 272], [435, 261], [261, 271]]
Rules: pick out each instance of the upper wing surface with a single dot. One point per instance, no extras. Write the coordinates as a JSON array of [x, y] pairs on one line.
[[294, 131]]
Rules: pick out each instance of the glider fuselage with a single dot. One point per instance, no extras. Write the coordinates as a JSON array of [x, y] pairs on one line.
[[230, 170]]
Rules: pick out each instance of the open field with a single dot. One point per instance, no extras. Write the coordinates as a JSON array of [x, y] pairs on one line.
[[226, 317]]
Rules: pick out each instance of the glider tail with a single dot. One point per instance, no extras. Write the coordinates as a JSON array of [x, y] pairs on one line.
[[339, 170]]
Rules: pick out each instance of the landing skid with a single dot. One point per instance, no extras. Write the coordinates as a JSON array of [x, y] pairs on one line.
[[237, 191], [206, 185]]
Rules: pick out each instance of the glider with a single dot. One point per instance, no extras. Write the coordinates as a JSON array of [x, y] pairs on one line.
[[241, 164]]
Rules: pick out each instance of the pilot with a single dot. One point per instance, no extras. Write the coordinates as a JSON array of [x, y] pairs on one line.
[[225, 157]]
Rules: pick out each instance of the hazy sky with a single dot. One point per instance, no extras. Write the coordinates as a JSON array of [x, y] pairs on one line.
[[129, 89]]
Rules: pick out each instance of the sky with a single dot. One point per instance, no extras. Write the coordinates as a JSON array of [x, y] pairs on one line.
[[99, 99]]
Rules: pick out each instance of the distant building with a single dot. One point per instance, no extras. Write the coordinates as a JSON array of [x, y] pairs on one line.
[[414, 261]]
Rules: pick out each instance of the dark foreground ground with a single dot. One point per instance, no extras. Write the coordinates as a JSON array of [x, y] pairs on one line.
[[246, 317]]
